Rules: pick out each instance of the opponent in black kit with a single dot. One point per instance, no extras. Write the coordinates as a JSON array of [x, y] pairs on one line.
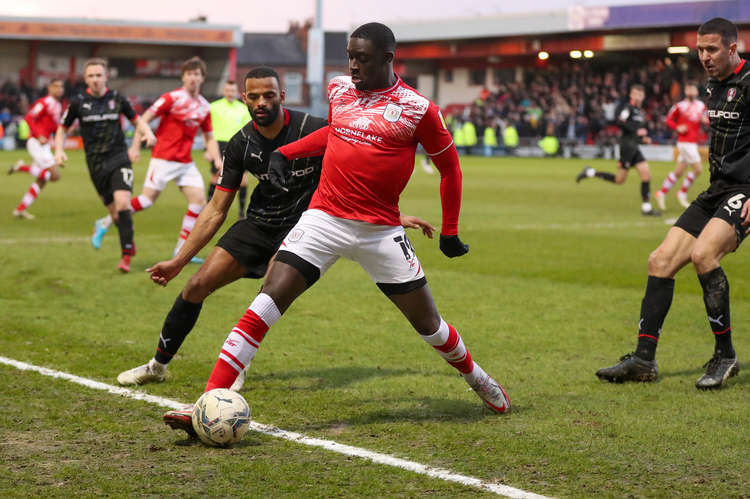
[[246, 249], [633, 130], [714, 224], [107, 156]]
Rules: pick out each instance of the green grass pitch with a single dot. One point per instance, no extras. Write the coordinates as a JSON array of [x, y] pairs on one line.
[[550, 292]]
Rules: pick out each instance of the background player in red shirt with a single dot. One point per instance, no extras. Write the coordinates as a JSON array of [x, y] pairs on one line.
[[182, 113], [685, 118], [375, 124], [43, 118]]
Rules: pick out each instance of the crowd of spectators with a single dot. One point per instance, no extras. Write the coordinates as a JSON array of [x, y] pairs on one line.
[[576, 102]]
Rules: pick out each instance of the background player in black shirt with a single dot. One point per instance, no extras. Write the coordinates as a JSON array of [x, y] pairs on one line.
[[246, 249], [713, 225], [632, 124], [107, 156]]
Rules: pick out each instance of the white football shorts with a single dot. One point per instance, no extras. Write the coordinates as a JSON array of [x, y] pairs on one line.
[[161, 172], [41, 154], [688, 153], [383, 251]]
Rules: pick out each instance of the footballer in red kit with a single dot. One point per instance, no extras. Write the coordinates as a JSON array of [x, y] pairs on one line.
[[686, 118], [376, 122], [43, 119]]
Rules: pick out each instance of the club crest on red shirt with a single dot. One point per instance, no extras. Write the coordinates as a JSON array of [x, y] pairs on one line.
[[392, 113]]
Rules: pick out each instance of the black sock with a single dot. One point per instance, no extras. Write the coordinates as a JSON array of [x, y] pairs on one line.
[[178, 324], [716, 298], [609, 177], [125, 227], [211, 189], [654, 308], [646, 191], [242, 199]]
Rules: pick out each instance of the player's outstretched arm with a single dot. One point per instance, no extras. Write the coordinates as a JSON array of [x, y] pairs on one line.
[[141, 134], [60, 156], [208, 223], [450, 197], [412, 222], [212, 148]]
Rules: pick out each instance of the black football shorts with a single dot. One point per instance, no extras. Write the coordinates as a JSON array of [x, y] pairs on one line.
[[721, 200], [253, 245]]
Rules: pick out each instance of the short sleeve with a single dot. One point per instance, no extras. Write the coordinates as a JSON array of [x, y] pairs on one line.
[[232, 169], [126, 108], [432, 132], [71, 113], [162, 105]]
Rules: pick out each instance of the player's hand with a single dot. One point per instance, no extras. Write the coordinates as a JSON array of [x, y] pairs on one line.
[[681, 128], [149, 140], [412, 222], [451, 246], [61, 158], [646, 140], [134, 154], [642, 132], [278, 170], [163, 272], [745, 214], [43, 140]]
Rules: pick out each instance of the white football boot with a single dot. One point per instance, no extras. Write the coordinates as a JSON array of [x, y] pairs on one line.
[[659, 196], [147, 373], [683, 199], [238, 382], [489, 390]]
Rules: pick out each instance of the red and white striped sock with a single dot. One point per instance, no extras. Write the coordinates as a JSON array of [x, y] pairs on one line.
[[689, 179], [243, 342], [188, 222], [32, 170], [44, 175], [139, 203], [668, 183], [448, 343], [29, 197]]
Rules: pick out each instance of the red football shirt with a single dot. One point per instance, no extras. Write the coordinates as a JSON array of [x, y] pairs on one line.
[[44, 117], [690, 114], [369, 157], [181, 115]]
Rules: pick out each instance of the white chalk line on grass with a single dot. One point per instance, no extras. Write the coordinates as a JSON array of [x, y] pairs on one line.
[[273, 431]]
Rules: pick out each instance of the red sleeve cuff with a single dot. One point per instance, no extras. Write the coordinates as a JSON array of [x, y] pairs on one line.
[[222, 188]]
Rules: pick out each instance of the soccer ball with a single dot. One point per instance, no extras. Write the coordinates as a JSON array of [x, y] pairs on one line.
[[221, 417]]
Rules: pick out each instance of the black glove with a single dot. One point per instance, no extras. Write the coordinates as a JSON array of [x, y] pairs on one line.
[[278, 170], [452, 246]]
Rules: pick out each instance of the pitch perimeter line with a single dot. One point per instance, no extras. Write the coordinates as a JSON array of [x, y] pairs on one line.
[[273, 431]]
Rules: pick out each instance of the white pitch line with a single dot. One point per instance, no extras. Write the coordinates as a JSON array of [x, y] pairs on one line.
[[273, 431]]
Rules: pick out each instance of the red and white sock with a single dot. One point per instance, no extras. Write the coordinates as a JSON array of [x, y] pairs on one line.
[[32, 170], [668, 183], [188, 222], [243, 342], [448, 343], [29, 197], [139, 203], [689, 179]]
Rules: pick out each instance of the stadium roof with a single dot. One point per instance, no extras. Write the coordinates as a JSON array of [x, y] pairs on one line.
[[107, 30], [575, 18]]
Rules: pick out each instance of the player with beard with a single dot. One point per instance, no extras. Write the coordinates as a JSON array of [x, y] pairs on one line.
[[714, 225], [376, 122], [246, 249], [108, 159]]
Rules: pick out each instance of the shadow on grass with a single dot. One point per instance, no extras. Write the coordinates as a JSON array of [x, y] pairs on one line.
[[334, 377]]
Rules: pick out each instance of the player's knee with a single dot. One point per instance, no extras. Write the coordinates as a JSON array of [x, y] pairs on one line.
[[659, 263], [703, 259], [198, 287]]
